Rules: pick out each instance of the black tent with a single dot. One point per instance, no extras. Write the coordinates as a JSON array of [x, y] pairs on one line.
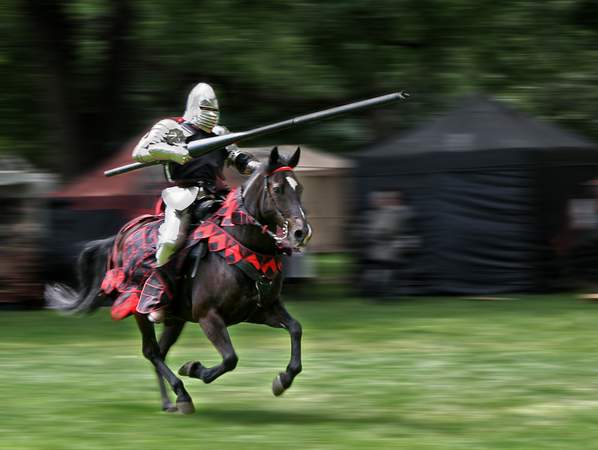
[[490, 187]]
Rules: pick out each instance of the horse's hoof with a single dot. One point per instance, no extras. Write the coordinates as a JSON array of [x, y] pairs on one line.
[[186, 368], [277, 386], [170, 408], [185, 407]]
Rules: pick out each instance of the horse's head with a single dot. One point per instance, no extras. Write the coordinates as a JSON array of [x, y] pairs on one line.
[[277, 194]]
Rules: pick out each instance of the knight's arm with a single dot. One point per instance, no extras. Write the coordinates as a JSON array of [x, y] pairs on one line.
[[164, 142], [244, 162]]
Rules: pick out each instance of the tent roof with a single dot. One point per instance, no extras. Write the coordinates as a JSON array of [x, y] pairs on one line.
[[312, 160], [480, 123], [95, 184], [151, 179]]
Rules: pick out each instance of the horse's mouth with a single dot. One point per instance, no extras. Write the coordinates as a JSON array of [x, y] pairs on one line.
[[282, 232], [283, 242], [282, 238]]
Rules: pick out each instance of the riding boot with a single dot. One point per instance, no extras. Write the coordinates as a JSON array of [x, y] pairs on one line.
[[155, 296]]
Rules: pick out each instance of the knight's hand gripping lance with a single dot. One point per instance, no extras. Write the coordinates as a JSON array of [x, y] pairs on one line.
[[207, 145]]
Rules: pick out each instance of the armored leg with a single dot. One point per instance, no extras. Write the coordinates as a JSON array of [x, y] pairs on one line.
[[171, 235]]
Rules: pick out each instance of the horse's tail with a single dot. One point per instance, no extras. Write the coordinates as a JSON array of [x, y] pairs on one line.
[[91, 269]]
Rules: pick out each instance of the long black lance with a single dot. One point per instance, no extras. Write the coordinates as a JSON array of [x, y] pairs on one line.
[[207, 145]]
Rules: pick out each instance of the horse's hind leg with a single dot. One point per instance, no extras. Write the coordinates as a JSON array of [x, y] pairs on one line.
[[151, 351], [169, 336], [278, 317], [215, 329]]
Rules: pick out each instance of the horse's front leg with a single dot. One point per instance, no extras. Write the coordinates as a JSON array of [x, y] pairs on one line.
[[278, 317], [169, 336], [151, 350], [215, 329]]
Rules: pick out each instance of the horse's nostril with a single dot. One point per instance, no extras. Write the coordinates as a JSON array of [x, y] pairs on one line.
[[299, 234]]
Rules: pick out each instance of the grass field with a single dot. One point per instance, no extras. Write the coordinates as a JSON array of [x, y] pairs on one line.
[[415, 374]]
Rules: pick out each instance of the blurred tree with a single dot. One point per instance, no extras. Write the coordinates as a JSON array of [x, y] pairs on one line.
[[83, 48], [83, 76]]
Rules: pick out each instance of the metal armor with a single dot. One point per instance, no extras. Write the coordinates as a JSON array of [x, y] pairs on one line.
[[202, 107], [166, 142], [178, 202], [176, 220], [245, 163]]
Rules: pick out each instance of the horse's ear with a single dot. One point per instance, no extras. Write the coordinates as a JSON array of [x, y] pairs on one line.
[[274, 160], [295, 158]]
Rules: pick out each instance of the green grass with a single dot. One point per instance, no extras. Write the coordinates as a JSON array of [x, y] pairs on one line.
[[415, 374]]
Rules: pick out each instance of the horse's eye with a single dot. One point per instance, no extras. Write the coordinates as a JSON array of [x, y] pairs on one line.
[[276, 189]]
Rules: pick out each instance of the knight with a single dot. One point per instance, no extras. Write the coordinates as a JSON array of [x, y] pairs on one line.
[[197, 182]]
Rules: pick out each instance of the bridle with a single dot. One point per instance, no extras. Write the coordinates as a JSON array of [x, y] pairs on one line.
[[266, 189], [277, 209]]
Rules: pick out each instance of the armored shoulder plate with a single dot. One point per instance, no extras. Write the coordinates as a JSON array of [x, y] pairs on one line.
[[164, 142]]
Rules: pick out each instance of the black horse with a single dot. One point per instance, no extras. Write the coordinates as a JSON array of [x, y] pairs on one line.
[[219, 294]]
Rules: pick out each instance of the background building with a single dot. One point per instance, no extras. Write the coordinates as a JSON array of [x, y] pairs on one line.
[[491, 190], [23, 231]]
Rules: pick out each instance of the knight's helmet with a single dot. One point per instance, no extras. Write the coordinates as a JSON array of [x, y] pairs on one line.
[[202, 107]]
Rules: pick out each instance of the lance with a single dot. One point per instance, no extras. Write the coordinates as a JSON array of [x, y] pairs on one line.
[[207, 145]]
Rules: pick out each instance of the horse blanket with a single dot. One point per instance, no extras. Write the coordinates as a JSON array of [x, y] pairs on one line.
[[131, 267]]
